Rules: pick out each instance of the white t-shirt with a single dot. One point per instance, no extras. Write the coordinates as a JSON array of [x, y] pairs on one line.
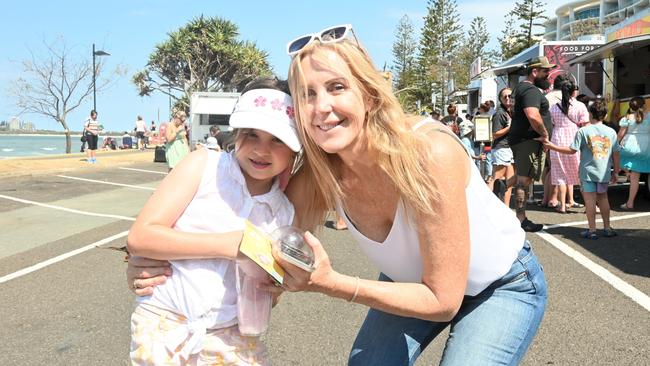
[[140, 126]]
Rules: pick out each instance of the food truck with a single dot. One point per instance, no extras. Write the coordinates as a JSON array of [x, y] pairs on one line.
[[625, 62], [485, 84], [209, 109]]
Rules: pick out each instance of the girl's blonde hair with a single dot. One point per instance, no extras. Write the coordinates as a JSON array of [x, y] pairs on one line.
[[399, 151]]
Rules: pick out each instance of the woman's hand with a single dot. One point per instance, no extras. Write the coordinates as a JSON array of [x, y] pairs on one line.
[[273, 287], [322, 279], [143, 274]]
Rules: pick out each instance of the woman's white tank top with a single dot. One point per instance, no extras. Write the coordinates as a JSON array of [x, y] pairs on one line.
[[496, 238]]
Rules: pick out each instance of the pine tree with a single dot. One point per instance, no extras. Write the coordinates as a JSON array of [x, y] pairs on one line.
[[441, 36], [474, 45], [404, 64], [509, 42], [530, 14], [477, 38]]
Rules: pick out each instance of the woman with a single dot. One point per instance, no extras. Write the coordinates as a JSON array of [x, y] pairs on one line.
[[567, 116], [452, 120], [634, 137], [502, 158], [177, 146], [444, 258], [91, 132]]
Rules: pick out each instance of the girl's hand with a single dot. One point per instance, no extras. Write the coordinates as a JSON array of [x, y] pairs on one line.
[[143, 274], [545, 141], [322, 279]]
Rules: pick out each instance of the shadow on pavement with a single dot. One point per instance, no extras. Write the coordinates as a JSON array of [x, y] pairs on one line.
[[629, 251]]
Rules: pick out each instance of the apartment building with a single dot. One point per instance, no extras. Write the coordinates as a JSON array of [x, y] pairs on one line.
[[587, 19]]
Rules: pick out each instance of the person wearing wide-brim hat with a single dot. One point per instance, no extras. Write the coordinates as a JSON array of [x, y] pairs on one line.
[[531, 120], [540, 62]]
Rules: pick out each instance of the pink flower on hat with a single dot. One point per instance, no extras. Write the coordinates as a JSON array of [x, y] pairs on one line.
[[289, 111], [277, 105], [260, 101]]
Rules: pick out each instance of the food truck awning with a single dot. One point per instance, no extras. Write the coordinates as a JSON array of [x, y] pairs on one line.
[[213, 102], [613, 49], [502, 70]]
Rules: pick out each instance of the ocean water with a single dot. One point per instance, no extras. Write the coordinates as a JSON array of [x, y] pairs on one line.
[[12, 146]]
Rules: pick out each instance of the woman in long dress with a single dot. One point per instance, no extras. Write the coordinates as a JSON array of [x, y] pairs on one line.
[[568, 116], [177, 146]]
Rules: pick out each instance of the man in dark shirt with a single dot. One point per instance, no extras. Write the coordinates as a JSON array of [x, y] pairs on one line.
[[531, 126]]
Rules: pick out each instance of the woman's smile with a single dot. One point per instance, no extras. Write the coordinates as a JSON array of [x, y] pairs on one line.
[[327, 126]]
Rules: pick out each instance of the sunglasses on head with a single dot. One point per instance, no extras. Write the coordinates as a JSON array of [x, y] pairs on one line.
[[327, 35]]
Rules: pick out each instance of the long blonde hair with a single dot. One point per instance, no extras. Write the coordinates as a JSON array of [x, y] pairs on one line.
[[399, 151]]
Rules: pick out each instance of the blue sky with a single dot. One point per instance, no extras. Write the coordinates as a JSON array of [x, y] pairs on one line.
[[130, 29]]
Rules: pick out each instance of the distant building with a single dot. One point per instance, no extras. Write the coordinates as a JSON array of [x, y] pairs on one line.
[[29, 127], [14, 124], [570, 19]]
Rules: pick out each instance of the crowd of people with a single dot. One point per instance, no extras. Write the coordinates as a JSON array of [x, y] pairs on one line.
[[139, 138], [536, 137]]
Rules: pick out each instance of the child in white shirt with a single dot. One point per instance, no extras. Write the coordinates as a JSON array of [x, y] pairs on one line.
[[196, 219]]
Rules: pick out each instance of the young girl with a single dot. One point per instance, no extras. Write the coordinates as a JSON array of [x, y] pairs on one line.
[[597, 144], [634, 137], [199, 212]]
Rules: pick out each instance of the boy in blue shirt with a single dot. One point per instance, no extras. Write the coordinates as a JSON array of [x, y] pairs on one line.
[[597, 144]]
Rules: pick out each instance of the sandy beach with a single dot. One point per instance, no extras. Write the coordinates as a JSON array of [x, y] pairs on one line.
[[70, 162]]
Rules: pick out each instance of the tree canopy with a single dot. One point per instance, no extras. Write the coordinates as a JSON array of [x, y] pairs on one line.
[[204, 55], [530, 15], [404, 64], [441, 36]]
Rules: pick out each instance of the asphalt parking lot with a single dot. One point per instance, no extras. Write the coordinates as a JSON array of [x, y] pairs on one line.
[[65, 300]]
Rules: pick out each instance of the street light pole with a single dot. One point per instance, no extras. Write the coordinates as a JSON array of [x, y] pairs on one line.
[[96, 53]]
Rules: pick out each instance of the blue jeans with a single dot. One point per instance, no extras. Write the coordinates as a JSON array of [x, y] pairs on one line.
[[494, 327]]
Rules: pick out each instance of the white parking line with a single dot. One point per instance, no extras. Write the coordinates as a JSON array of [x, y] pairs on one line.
[[143, 170], [61, 257], [624, 287], [110, 183], [612, 218], [72, 210]]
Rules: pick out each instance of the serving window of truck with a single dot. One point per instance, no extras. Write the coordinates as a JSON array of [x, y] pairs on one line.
[[626, 63]]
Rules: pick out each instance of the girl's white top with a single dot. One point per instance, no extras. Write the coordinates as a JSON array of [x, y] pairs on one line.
[[495, 234], [203, 290]]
